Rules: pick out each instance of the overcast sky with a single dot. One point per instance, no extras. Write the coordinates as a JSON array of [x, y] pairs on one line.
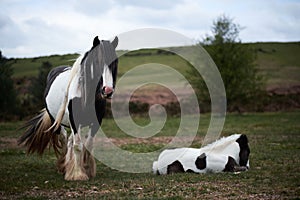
[[44, 27]]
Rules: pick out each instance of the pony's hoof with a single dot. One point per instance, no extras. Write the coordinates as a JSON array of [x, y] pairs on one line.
[[77, 177], [75, 173], [91, 172], [240, 168]]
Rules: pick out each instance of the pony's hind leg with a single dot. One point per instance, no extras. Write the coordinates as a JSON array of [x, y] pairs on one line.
[[63, 139], [88, 158], [74, 169]]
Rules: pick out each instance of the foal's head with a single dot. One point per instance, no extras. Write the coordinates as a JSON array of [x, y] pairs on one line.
[[244, 150]]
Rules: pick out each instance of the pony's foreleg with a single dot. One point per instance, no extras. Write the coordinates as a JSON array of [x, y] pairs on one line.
[[88, 158], [63, 139], [73, 163]]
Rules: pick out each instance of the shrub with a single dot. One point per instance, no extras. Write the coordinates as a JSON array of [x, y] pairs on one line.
[[236, 63], [7, 90]]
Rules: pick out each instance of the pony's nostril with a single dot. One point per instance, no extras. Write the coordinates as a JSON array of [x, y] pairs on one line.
[[108, 90]]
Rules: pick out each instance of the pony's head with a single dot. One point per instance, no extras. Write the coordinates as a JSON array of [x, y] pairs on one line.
[[109, 75], [99, 68], [235, 146]]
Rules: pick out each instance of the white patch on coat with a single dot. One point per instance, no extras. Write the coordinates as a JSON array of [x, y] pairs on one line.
[[107, 77], [56, 95]]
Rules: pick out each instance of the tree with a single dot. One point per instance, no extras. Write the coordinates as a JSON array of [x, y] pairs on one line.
[[236, 63], [38, 85], [7, 90], [223, 31]]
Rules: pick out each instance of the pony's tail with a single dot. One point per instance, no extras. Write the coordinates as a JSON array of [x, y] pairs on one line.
[[35, 137]]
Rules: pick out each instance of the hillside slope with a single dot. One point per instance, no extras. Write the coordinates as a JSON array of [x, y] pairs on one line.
[[278, 62]]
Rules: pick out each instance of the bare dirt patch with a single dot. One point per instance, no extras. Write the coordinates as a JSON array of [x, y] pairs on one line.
[[9, 143], [162, 140], [293, 89], [283, 98], [154, 95]]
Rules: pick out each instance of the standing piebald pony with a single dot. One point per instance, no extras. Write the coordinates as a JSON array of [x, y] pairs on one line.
[[75, 97]]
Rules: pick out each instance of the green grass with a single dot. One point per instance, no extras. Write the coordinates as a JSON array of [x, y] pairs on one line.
[[279, 62], [28, 67], [128, 62], [274, 160]]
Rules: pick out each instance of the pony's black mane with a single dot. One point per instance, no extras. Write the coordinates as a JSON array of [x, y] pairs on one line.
[[107, 50]]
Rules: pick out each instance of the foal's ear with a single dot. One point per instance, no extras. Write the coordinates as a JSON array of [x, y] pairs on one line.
[[96, 41], [115, 42]]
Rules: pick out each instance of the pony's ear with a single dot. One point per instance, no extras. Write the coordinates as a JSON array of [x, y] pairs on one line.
[[115, 42], [96, 41]]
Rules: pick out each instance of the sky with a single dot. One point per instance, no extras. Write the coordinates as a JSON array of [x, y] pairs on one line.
[[30, 28]]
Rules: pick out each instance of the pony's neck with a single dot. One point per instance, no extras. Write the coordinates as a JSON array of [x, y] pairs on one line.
[[221, 143], [76, 67]]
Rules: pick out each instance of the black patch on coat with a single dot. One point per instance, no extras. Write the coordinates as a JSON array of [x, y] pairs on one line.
[[230, 165], [91, 115], [201, 161], [244, 149], [52, 76], [100, 105], [71, 115], [175, 167]]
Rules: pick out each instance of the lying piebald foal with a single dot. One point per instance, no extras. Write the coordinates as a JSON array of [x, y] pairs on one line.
[[228, 154]]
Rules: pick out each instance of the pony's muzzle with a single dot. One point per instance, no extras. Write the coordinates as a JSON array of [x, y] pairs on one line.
[[107, 92]]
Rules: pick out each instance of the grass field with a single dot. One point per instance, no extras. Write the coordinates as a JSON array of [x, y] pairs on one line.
[[277, 61], [274, 161]]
